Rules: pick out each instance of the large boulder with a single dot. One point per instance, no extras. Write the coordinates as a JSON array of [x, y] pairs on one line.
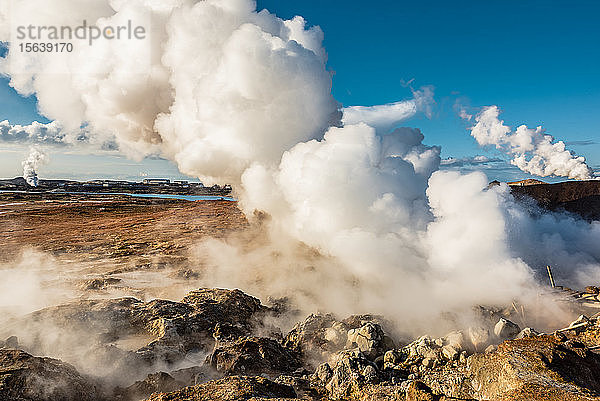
[[506, 330], [27, 378], [233, 388], [253, 355], [536, 368], [348, 375], [319, 337], [369, 339]]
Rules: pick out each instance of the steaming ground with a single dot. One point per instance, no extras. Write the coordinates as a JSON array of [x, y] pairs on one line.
[[344, 209], [59, 249]]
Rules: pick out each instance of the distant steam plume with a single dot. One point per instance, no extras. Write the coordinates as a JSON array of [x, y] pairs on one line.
[[31, 165], [532, 150]]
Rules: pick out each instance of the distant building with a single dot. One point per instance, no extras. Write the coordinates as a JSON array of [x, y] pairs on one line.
[[156, 181]]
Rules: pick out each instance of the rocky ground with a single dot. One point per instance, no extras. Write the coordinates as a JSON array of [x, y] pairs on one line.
[[116, 338], [215, 344]]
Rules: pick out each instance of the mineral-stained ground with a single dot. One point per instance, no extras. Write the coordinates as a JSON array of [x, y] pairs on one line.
[[116, 314]]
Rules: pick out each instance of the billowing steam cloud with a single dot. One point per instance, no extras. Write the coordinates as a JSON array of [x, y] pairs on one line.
[[31, 165], [361, 218], [532, 150], [383, 117]]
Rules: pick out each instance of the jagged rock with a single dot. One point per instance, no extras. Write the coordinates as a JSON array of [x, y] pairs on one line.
[[253, 355], [12, 342], [154, 383], [192, 375], [537, 368], [233, 388], [304, 387], [479, 337], [393, 358], [455, 339], [527, 332], [336, 335], [418, 391], [368, 339], [318, 337], [450, 352], [505, 329], [224, 306], [324, 373], [98, 283], [490, 349], [27, 378], [350, 372], [579, 323], [177, 327], [313, 338]]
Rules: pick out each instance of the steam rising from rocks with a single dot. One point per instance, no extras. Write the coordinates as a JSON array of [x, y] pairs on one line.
[[361, 220], [532, 150]]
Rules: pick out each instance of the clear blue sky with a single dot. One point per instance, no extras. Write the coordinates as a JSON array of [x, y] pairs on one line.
[[539, 61]]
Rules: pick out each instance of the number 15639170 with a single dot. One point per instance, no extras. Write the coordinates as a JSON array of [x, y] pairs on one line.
[[46, 47]]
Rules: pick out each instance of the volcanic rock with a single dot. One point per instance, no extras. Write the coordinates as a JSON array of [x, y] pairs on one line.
[[479, 337], [27, 378], [368, 339], [11, 342], [253, 355], [505, 329], [154, 383], [537, 368], [233, 388], [313, 338], [351, 371]]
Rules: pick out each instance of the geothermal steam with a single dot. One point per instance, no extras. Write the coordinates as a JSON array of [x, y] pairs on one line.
[[31, 165], [361, 218], [532, 150]]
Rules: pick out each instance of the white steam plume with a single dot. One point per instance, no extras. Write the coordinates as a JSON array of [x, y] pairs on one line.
[[221, 80], [31, 165], [361, 220], [387, 116], [532, 150]]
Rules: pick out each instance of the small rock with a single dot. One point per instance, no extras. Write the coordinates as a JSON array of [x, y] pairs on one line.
[[370, 375], [582, 319], [323, 373], [429, 363], [368, 339], [492, 348], [450, 352], [418, 391], [505, 329], [479, 336], [455, 339], [393, 358], [12, 342], [592, 290], [527, 332]]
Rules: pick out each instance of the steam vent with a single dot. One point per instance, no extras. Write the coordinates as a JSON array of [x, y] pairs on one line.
[[252, 200]]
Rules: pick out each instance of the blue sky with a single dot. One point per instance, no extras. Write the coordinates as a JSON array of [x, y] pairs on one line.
[[537, 60]]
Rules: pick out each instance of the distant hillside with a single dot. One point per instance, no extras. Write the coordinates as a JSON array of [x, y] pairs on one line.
[[581, 197], [523, 183]]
